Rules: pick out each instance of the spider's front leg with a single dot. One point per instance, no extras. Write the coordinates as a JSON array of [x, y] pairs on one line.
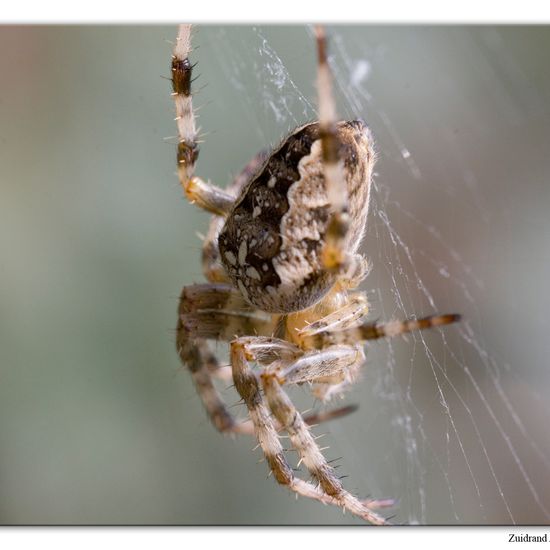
[[203, 194], [248, 386], [334, 256], [347, 188]]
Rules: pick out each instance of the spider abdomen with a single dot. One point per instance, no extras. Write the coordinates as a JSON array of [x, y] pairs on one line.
[[272, 240]]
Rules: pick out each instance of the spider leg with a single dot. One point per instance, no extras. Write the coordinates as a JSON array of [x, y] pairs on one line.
[[247, 426], [332, 368], [198, 319], [347, 316], [374, 331], [325, 416], [215, 311], [265, 430], [334, 256], [225, 325], [198, 358], [204, 194], [275, 351], [331, 365], [310, 454]]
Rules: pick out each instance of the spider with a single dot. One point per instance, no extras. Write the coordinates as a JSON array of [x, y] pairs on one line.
[[282, 264]]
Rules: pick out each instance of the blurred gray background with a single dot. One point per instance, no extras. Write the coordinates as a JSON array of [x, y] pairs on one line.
[[98, 423]]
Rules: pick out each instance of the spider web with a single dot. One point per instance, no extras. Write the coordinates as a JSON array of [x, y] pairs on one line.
[[449, 420]]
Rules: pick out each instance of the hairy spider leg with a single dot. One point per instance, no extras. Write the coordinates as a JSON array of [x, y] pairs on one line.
[[210, 311], [310, 453], [198, 358], [197, 191], [334, 256], [350, 314], [374, 331], [248, 387]]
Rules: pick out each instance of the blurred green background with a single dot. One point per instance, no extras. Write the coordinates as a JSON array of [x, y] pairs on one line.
[[98, 424]]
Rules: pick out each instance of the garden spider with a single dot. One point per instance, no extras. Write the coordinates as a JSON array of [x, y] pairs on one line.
[[282, 263]]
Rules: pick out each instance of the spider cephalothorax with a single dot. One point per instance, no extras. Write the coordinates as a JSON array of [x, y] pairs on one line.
[[282, 262]]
